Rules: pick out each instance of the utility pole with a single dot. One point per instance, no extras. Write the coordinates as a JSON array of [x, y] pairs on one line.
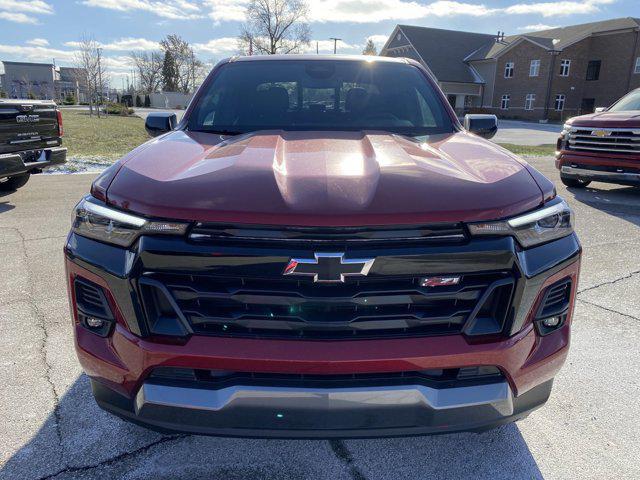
[[335, 44], [100, 81], [250, 46], [317, 48]]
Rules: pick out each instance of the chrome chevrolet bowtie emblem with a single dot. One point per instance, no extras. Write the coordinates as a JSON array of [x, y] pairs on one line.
[[600, 133], [329, 267]]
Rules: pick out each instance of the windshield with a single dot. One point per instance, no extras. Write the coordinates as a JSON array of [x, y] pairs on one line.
[[320, 95], [631, 101]]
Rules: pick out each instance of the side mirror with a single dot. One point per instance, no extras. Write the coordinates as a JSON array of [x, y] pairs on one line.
[[600, 109], [482, 125], [160, 122]]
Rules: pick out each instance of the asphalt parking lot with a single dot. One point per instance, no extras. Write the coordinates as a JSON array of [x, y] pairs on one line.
[[51, 428]]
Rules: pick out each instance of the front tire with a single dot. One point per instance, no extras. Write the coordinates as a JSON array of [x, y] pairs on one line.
[[574, 182], [15, 183]]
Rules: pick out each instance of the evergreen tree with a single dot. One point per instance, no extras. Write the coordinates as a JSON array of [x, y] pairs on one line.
[[169, 72], [370, 48]]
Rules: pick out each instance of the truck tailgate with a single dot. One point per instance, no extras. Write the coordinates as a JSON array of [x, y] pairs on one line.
[[27, 125]]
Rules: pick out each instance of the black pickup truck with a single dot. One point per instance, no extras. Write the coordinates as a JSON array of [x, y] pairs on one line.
[[30, 140]]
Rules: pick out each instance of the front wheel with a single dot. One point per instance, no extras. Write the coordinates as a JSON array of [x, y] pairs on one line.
[[14, 183], [574, 182]]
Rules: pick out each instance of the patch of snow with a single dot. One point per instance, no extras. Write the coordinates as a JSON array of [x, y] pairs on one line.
[[92, 164]]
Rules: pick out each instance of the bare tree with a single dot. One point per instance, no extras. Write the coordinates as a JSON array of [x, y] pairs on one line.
[[275, 26], [88, 62], [149, 67], [370, 48], [181, 70]]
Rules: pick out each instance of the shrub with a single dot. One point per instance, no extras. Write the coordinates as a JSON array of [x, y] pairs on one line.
[[138, 101], [3, 94], [69, 100], [147, 101], [118, 109]]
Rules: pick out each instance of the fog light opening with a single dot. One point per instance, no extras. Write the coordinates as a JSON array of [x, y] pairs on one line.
[[94, 322], [552, 322]]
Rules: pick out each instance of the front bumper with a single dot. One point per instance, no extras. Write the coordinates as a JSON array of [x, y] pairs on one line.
[[281, 412], [600, 167], [121, 364], [12, 164], [607, 176]]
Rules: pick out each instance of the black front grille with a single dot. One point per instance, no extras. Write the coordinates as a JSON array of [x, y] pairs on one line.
[[364, 308]]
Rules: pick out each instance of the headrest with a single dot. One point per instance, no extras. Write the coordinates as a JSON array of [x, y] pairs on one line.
[[356, 100], [273, 101]]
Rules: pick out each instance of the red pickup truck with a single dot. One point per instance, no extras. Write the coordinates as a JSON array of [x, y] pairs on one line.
[[320, 249], [603, 146]]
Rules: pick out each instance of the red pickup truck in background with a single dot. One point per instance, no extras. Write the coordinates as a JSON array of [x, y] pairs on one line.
[[603, 146]]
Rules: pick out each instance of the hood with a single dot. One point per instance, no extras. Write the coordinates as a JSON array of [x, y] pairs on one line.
[[630, 119], [323, 179]]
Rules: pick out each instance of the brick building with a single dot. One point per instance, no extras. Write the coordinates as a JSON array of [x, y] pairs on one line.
[[551, 74]]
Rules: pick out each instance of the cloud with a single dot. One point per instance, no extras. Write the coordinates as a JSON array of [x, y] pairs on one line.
[[556, 9], [37, 53], [226, 10], [38, 42], [355, 11], [362, 11], [537, 27], [366, 11], [326, 46], [18, 18], [172, 9], [127, 44], [27, 6], [218, 46], [23, 11], [378, 40]]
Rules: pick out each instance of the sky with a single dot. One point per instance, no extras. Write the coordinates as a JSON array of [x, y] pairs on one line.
[[44, 30]]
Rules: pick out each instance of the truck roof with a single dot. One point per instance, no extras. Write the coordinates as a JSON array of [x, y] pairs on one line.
[[307, 57]]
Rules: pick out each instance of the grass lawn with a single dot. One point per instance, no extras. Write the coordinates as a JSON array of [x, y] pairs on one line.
[[106, 138], [538, 151]]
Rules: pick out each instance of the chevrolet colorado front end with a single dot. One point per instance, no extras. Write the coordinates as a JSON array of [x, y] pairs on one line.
[[603, 146], [320, 249]]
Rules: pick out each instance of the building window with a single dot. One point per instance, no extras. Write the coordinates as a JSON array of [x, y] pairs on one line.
[[637, 68], [565, 65], [528, 101], [504, 102], [559, 104], [508, 70], [593, 70], [534, 68]]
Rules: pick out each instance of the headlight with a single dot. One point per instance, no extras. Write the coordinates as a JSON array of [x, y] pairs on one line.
[[550, 222], [93, 219]]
